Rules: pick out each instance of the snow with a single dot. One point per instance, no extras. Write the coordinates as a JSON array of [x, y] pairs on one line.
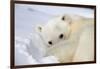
[[27, 17]]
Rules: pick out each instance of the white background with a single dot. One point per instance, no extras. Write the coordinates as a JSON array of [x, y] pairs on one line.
[[5, 34]]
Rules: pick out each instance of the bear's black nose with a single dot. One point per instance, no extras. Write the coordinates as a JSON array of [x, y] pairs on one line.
[[50, 42]]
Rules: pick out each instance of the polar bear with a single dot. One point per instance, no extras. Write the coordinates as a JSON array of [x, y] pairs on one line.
[[63, 34]]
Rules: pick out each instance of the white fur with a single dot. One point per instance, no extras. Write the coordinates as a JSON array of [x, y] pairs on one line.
[[76, 35], [85, 50]]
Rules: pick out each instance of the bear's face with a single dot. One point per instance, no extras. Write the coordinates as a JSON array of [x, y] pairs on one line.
[[56, 30]]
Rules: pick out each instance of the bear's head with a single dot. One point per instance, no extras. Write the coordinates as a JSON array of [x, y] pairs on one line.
[[56, 30]]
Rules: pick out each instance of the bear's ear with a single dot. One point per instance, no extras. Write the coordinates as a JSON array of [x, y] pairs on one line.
[[63, 18], [39, 28], [66, 18]]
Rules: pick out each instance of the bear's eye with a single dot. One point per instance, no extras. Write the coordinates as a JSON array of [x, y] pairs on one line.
[[61, 36]]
